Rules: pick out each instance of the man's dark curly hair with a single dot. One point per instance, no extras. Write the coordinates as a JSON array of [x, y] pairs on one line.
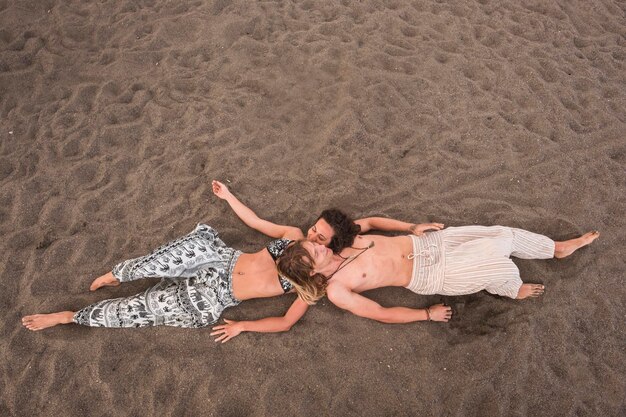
[[344, 227]]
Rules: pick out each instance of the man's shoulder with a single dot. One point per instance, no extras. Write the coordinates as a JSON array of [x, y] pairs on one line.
[[337, 289], [339, 294]]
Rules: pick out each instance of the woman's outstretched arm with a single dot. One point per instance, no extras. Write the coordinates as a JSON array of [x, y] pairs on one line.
[[232, 328], [391, 225], [250, 218]]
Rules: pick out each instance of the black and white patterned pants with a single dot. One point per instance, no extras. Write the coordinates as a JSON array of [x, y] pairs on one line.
[[196, 285]]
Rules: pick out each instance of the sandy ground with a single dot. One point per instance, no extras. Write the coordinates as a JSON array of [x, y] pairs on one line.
[[116, 115]]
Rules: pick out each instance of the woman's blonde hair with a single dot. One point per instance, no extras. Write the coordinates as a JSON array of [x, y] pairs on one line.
[[296, 265]]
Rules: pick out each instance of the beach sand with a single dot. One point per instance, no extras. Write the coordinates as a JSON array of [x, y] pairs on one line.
[[116, 116]]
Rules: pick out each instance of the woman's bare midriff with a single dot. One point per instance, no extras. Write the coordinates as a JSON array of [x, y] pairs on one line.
[[255, 276]]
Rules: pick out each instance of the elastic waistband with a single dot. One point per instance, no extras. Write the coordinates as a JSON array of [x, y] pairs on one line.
[[229, 270]]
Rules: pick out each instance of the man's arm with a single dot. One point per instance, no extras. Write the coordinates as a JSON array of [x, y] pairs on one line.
[[232, 328], [355, 303], [391, 225], [250, 218]]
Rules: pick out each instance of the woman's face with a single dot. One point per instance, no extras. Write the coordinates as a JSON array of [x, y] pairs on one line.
[[321, 232]]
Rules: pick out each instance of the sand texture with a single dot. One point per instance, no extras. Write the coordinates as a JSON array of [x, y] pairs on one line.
[[116, 115]]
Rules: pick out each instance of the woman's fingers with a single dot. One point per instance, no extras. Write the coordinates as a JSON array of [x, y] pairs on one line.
[[424, 227], [222, 329], [217, 186], [223, 335]]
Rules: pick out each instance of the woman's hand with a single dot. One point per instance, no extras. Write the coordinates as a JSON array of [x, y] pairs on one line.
[[439, 312], [419, 229], [220, 190], [227, 331]]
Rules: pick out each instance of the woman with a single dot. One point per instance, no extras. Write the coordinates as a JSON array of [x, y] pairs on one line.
[[202, 276]]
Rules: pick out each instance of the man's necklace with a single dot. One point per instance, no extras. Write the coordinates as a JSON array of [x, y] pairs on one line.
[[349, 259]]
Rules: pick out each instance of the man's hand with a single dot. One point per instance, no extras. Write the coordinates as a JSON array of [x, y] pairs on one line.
[[220, 190], [440, 312], [419, 229], [225, 332]]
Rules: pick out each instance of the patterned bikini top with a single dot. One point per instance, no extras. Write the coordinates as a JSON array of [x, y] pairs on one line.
[[276, 248]]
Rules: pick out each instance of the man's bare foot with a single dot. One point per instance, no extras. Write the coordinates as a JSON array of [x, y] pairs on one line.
[[530, 291], [43, 321], [106, 280], [563, 249]]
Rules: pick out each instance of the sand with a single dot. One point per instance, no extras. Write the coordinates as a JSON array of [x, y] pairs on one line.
[[116, 116]]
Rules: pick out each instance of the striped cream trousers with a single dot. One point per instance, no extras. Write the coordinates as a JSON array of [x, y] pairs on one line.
[[465, 260]]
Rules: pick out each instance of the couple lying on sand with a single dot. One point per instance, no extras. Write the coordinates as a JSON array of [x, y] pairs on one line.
[[201, 276]]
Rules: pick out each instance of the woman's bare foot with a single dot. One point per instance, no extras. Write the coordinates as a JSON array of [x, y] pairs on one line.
[[43, 321], [106, 280], [530, 290], [563, 249]]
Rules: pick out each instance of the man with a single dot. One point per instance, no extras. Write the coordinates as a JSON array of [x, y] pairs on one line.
[[454, 261]]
